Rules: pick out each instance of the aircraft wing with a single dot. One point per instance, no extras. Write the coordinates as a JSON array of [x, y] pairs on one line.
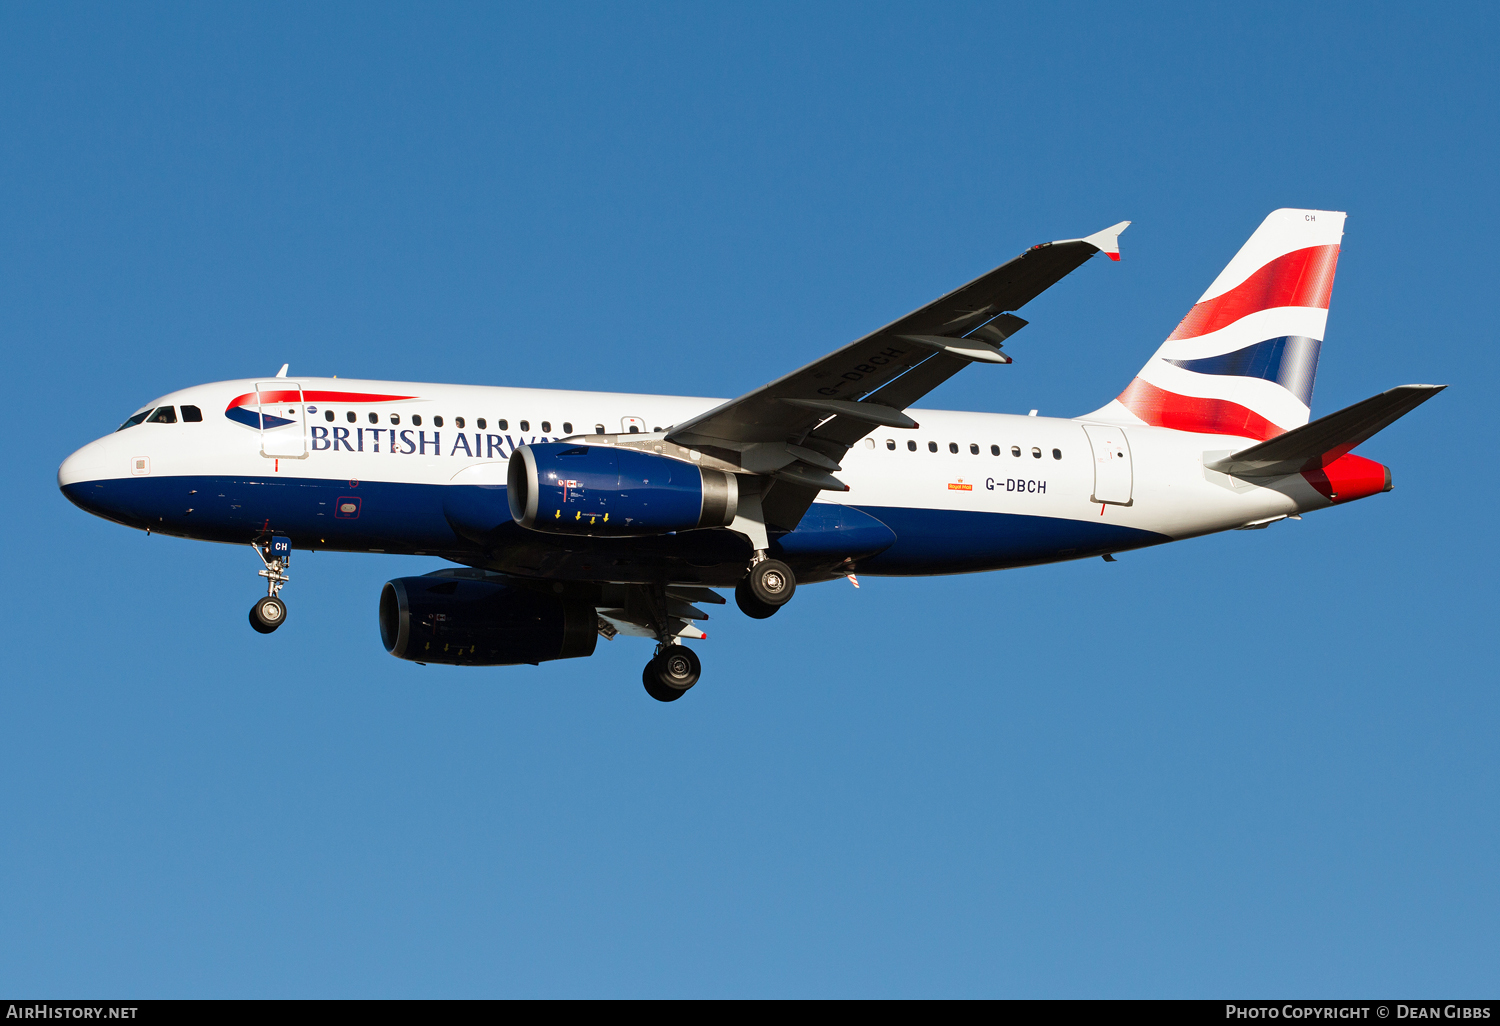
[[798, 426]]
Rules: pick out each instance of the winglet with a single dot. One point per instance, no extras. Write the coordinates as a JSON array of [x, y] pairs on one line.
[[1108, 241], [282, 373]]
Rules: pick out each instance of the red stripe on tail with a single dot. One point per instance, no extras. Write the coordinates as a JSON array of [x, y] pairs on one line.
[[1160, 408], [1300, 278]]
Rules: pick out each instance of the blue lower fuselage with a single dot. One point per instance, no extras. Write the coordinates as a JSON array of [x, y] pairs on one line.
[[472, 525]]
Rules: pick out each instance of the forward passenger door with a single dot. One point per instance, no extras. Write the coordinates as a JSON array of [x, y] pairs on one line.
[[283, 421]]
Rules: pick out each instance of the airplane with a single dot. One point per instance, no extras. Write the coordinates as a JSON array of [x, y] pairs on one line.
[[571, 516]]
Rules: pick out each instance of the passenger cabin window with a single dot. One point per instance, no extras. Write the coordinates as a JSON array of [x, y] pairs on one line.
[[437, 421], [1035, 452], [374, 418], [327, 414], [1015, 450], [416, 418], [890, 443], [395, 418], [567, 428], [502, 424], [479, 423], [932, 447], [634, 429], [994, 450], [458, 422], [869, 443], [133, 421], [525, 425], [1057, 454], [953, 447], [598, 429], [974, 448], [351, 416], [546, 427], [912, 445], [165, 415], [191, 415]]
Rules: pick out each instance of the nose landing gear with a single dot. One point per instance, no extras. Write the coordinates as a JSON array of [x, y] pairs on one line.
[[768, 586], [270, 612]]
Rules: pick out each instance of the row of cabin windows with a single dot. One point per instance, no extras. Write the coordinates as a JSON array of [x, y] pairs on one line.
[[995, 450], [164, 415], [459, 422], [193, 415]]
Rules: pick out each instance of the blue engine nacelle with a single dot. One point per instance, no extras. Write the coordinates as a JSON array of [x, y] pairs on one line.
[[610, 492], [482, 621]]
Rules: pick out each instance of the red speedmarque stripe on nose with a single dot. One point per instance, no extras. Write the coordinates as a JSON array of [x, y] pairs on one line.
[[1160, 408], [290, 395], [1300, 278]]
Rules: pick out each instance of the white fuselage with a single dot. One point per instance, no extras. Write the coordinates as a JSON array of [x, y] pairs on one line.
[[354, 435]]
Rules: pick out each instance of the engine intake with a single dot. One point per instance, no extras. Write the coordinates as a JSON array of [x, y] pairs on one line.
[[609, 492], [472, 622]]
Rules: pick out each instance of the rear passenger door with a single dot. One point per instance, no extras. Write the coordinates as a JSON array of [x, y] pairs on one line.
[[1114, 476], [283, 421]]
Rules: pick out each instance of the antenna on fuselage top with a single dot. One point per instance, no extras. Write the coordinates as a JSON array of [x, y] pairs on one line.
[[282, 373]]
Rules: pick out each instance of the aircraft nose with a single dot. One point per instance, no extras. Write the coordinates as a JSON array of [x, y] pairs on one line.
[[91, 463]]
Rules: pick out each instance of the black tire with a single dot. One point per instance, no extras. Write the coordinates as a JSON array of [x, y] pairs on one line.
[[268, 614], [674, 669], [655, 690], [772, 582], [749, 604]]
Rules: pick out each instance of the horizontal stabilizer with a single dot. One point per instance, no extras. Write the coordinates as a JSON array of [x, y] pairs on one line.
[[1318, 444]]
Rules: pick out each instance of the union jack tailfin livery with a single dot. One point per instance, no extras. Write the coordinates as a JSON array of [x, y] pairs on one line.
[[1243, 360]]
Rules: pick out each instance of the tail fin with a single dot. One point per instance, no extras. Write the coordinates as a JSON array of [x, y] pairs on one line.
[[1242, 361]]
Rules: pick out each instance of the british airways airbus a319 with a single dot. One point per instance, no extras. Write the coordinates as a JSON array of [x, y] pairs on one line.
[[578, 514]]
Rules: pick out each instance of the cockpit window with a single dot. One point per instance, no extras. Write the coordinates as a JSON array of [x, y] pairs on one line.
[[133, 421], [163, 415], [191, 415]]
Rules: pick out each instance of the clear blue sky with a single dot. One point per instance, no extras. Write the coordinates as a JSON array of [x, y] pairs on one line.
[[1262, 763]]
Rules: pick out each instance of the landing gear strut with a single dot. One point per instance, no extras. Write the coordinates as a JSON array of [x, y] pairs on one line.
[[673, 670], [270, 612], [768, 586]]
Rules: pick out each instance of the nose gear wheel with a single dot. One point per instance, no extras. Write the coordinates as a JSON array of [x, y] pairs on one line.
[[268, 614]]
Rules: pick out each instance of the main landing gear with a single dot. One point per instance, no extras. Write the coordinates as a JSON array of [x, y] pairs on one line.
[[766, 588], [270, 612], [670, 673]]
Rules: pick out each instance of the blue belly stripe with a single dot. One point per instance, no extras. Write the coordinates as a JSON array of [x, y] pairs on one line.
[[406, 517]]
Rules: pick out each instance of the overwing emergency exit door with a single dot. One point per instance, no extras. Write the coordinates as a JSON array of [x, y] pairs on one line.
[[1114, 475], [283, 420]]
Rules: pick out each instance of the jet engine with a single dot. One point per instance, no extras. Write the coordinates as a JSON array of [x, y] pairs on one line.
[[610, 492], [467, 621]]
